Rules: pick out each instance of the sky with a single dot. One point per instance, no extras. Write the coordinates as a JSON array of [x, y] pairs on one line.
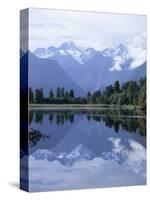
[[87, 29]]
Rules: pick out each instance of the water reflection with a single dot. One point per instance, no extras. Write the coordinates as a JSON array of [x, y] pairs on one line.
[[86, 149], [126, 119]]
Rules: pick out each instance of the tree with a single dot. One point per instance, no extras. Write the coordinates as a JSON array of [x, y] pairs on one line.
[[94, 97], [124, 99], [108, 91], [62, 92], [89, 94], [142, 94], [58, 92], [117, 86], [31, 96], [39, 95], [131, 88], [71, 93], [66, 94], [131, 92], [51, 94]]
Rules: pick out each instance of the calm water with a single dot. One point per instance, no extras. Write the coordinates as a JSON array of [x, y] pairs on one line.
[[83, 149]]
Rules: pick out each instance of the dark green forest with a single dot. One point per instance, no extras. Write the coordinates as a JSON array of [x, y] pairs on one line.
[[129, 93]]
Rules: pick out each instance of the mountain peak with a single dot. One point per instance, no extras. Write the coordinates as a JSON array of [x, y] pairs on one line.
[[67, 45], [121, 49], [52, 48]]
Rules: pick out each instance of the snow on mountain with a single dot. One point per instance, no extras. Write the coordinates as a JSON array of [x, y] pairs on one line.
[[41, 53], [80, 152], [92, 69], [72, 49], [129, 55], [66, 49], [137, 48], [42, 154], [49, 53], [120, 56], [109, 52]]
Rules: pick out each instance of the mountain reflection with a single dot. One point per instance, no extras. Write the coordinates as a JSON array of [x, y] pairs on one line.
[[107, 147]]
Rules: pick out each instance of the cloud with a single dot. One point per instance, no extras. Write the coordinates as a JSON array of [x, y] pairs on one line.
[[118, 61], [137, 50], [133, 54], [89, 29], [134, 157], [117, 147]]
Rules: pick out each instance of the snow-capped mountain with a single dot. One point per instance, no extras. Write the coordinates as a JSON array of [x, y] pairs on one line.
[[119, 153], [120, 56], [92, 69], [120, 50], [66, 49], [123, 55], [80, 153]]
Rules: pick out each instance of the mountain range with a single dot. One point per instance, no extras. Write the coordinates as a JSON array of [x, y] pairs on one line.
[[81, 69]]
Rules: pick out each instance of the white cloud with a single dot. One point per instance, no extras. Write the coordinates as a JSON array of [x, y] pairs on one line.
[[137, 50], [136, 158], [118, 61], [87, 29], [117, 147], [134, 54]]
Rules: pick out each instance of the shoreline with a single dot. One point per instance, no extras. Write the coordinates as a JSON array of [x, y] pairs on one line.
[[82, 107]]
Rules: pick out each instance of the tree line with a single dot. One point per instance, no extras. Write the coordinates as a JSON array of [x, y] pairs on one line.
[[129, 93]]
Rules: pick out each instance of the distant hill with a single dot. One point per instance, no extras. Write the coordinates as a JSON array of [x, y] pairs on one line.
[[47, 74]]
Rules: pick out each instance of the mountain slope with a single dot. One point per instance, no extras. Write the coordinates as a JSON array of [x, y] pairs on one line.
[[96, 73], [125, 75], [92, 69], [47, 74], [69, 64]]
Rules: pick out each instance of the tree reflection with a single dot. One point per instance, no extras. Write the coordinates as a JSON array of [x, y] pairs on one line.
[[129, 120], [30, 116], [39, 116], [35, 136]]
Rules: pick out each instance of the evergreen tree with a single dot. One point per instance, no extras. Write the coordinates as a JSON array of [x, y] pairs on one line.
[[130, 92], [142, 94], [62, 92], [89, 94], [39, 96], [71, 93], [58, 92], [51, 94], [117, 86], [31, 96], [66, 94]]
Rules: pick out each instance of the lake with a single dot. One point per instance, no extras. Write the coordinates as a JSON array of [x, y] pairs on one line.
[[73, 149]]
